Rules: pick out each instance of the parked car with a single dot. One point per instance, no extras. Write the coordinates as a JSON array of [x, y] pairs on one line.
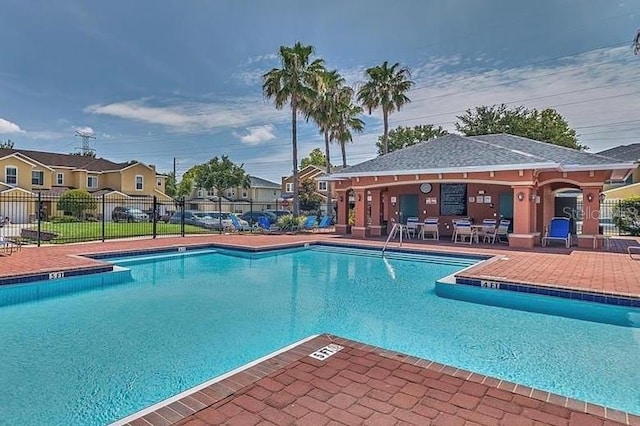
[[224, 218], [280, 213], [128, 214], [252, 217]]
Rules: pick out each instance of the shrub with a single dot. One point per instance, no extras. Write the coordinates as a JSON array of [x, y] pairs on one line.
[[63, 219], [76, 202], [626, 215], [289, 222]]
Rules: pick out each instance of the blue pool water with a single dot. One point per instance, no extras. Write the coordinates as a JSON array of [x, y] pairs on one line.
[[97, 355]]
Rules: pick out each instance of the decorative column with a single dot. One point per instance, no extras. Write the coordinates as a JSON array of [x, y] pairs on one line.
[[524, 212], [376, 213], [548, 206], [590, 215], [359, 229], [342, 212]]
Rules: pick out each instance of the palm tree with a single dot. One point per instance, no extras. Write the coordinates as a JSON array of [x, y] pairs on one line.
[[386, 88], [346, 121], [293, 83], [323, 110]]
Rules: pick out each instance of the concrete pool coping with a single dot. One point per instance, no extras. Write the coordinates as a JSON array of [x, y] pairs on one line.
[[364, 384]]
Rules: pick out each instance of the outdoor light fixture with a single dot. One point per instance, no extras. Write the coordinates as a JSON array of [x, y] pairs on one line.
[[359, 197], [590, 197], [534, 196], [341, 198], [520, 196], [601, 197]]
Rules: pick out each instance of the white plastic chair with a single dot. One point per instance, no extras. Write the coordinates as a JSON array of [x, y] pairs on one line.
[[412, 226]]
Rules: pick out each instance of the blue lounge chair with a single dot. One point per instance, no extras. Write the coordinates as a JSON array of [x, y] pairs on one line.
[[237, 226], [325, 222], [264, 224], [310, 222], [558, 229]]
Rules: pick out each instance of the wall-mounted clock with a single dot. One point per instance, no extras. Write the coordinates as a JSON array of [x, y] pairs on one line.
[[425, 188]]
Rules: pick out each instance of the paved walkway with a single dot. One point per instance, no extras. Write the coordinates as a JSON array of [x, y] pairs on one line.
[[365, 385]]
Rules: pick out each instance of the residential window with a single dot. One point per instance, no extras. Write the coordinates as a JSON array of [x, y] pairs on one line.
[[230, 193], [11, 175], [60, 179], [322, 186], [37, 177], [200, 193], [159, 182], [245, 194], [288, 187], [92, 181], [139, 183]]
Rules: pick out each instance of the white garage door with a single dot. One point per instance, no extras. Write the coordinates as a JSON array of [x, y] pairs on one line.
[[16, 211]]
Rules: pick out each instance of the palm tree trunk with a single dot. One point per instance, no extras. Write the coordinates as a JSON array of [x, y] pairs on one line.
[[385, 135], [343, 149], [294, 142], [328, 163]]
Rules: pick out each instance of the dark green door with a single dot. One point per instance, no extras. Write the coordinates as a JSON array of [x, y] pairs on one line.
[[505, 207], [408, 207]]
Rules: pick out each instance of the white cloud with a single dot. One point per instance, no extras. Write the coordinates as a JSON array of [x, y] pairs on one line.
[[7, 126], [85, 130], [269, 57], [192, 116], [257, 134]]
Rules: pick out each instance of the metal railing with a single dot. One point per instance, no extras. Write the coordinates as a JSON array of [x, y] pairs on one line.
[[43, 218]]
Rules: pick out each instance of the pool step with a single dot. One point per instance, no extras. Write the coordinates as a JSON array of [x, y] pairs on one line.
[[415, 257]]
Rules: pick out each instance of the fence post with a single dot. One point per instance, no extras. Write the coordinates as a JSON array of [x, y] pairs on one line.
[[104, 219], [182, 216], [38, 218], [155, 216], [251, 215]]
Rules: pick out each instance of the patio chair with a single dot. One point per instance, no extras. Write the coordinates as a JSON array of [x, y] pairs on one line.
[[463, 230], [558, 229], [7, 245], [412, 226], [237, 226], [488, 231], [325, 223], [634, 251], [430, 227], [264, 225], [310, 222], [502, 231]]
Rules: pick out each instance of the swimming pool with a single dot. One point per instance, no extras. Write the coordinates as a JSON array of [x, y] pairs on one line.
[[91, 357]]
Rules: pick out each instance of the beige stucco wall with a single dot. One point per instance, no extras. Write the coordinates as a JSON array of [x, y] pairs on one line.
[[24, 173], [128, 180]]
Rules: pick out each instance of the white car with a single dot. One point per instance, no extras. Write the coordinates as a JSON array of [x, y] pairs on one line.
[[224, 218]]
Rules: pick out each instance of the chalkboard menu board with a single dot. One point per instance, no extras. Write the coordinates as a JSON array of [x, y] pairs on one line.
[[453, 199]]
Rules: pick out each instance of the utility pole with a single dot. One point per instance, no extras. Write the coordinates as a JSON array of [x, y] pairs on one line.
[[86, 143], [174, 168]]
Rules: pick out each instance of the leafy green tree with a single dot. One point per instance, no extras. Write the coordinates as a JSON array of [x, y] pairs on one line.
[[386, 88], [315, 158], [626, 215], [77, 202], [6, 145], [171, 185], [402, 137], [309, 199], [220, 174], [294, 83], [184, 187], [546, 125]]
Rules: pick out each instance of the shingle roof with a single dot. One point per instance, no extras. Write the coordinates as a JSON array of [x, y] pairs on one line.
[[487, 152], [263, 183], [623, 152], [53, 159]]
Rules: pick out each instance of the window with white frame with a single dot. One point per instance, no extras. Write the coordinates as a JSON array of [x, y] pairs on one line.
[[139, 183], [60, 179], [92, 181], [245, 194], [37, 177], [322, 186], [288, 187], [159, 182], [11, 175], [200, 193]]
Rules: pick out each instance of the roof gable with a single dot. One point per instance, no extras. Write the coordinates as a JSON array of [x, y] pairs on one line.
[[478, 153], [52, 159], [623, 152]]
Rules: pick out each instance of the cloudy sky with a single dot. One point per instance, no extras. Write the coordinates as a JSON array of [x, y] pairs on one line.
[[158, 79]]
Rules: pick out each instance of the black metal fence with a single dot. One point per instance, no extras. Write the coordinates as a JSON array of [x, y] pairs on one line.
[[616, 217], [42, 218]]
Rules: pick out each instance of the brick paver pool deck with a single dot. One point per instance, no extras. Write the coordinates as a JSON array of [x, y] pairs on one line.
[[363, 384]]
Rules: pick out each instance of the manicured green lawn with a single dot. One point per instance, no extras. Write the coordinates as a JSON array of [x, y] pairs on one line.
[[88, 231]]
